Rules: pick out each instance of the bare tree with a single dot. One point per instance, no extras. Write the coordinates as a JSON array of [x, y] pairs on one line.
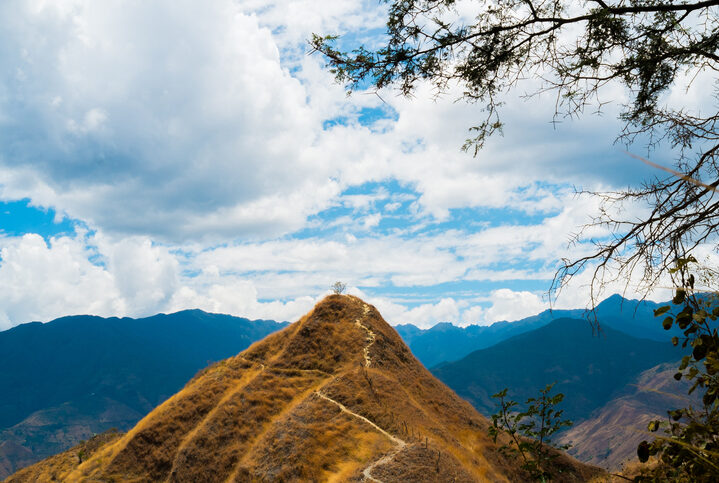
[[338, 288]]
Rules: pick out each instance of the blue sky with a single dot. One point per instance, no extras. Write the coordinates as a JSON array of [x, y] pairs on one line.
[[156, 157]]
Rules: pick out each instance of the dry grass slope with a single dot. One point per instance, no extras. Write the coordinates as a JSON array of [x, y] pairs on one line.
[[337, 396], [58, 467]]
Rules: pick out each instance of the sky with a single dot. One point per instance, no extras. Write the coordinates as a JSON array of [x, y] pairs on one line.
[[159, 156]]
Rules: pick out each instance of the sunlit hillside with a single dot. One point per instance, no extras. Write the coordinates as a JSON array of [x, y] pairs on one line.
[[336, 396]]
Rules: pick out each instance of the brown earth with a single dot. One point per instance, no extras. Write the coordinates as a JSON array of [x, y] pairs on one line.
[[609, 438], [336, 396]]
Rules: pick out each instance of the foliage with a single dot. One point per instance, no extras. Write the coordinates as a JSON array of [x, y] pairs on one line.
[[689, 450], [575, 48], [338, 288], [531, 430]]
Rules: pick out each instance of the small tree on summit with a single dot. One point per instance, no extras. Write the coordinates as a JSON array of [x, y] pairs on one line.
[[338, 288]]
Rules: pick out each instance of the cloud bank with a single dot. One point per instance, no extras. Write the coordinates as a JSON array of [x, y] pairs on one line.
[[207, 161]]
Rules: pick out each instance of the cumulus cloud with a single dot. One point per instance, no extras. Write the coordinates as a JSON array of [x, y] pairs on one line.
[[180, 120], [170, 110], [92, 274], [192, 140], [510, 305], [40, 281], [95, 274]]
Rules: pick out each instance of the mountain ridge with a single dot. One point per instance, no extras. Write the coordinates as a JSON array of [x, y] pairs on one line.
[[334, 396], [76, 376], [66, 420], [527, 362], [446, 342]]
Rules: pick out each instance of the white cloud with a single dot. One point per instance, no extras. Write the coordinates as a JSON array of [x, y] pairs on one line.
[[95, 274], [189, 137], [185, 113], [510, 305], [239, 297], [92, 274], [40, 281], [145, 276], [175, 110], [473, 315]]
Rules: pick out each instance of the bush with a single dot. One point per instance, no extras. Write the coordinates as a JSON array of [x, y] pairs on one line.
[[531, 430]]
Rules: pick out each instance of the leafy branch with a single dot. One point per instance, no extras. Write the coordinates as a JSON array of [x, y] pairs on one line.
[[530, 431]]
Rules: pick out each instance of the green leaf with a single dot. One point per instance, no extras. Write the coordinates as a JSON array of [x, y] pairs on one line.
[[667, 323], [676, 415], [643, 451], [661, 310], [501, 393], [699, 351]]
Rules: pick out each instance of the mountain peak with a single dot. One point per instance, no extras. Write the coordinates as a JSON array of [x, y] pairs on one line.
[[341, 332], [335, 396]]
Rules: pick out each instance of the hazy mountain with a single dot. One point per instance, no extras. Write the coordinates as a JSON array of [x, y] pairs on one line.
[[588, 369], [634, 317], [336, 396], [446, 342], [68, 379]]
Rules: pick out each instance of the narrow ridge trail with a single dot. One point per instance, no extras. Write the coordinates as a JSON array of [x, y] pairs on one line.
[[370, 335], [400, 445]]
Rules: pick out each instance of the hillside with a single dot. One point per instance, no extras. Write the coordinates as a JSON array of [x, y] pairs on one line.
[[588, 369], [610, 436], [68, 379], [336, 396]]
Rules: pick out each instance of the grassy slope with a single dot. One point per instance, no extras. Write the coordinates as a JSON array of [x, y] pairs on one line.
[[81, 375], [330, 398]]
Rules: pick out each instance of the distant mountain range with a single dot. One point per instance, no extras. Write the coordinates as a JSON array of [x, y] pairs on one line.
[[336, 396], [446, 342], [63, 381], [586, 367], [68, 379]]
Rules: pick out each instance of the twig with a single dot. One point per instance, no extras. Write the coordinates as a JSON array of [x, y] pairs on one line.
[[671, 171]]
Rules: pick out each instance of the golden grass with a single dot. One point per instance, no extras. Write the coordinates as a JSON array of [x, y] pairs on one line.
[[147, 451], [315, 442], [256, 417], [217, 447], [59, 467]]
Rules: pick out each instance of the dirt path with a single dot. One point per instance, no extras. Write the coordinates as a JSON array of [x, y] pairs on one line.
[[370, 334], [399, 444], [262, 366]]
